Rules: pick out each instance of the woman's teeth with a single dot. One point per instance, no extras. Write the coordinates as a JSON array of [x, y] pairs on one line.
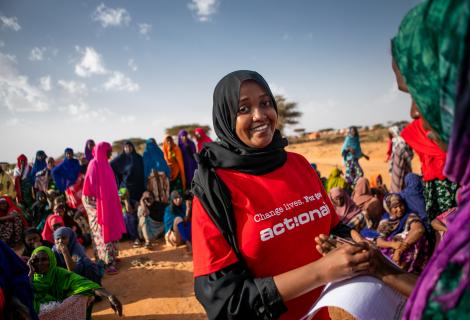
[[260, 128]]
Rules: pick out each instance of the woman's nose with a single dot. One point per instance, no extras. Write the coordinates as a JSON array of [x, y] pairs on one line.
[[259, 113]]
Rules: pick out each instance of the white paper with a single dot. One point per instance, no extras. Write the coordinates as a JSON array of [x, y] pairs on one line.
[[364, 297]]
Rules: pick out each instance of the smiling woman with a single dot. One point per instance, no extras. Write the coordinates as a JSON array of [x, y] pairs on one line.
[[249, 265], [256, 116]]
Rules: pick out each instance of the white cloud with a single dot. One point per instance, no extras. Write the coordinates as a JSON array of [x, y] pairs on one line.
[[110, 17], [119, 82], [37, 54], [45, 83], [76, 109], [91, 63], [73, 87], [144, 28], [16, 92], [11, 23], [81, 112], [204, 8], [127, 119], [132, 65]]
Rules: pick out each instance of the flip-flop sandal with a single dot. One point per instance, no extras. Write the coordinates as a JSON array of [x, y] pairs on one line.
[[111, 271]]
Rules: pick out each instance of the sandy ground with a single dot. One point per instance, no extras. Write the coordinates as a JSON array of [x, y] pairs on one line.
[[158, 284]]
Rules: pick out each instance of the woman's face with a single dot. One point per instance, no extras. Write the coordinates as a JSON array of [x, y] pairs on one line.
[[41, 262], [32, 240], [178, 201], [398, 210], [90, 145], [256, 116], [62, 240], [338, 200], [398, 76], [149, 199], [414, 111], [50, 163], [3, 205], [69, 155], [184, 138], [128, 149], [42, 198], [197, 135], [169, 141], [60, 209]]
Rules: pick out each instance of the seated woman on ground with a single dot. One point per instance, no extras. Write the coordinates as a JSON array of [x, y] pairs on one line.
[[11, 222], [150, 213], [16, 293], [31, 240], [335, 179], [129, 212], [53, 222], [61, 294], [71, 255], [177, 226], [402, 236], [40, 211], [74, 219], [346, 209], [377, 187]]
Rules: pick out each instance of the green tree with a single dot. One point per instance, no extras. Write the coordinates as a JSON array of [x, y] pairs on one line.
[[288, 115], [173, 131]]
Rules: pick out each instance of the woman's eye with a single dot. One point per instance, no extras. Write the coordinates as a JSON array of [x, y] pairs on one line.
[[243, 109], [267, 103]]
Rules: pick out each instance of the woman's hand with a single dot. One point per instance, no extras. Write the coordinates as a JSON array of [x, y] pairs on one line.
[[325, 244], [30, 264], [396, 256], [62, 248], [395, 245], [116, 305], [345, 262]]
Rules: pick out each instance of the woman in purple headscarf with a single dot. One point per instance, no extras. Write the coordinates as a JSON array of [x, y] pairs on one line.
[[89, 145], [188, 149]]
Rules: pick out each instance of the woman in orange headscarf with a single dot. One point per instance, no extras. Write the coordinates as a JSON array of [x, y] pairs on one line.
[[174, 159]]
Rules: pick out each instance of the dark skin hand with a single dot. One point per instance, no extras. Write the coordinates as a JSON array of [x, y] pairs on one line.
[[116, 305], [379, 266]]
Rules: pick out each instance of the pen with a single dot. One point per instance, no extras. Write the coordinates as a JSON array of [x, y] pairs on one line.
[[342, 240]]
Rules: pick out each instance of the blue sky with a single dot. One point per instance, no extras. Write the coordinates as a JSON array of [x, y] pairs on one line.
[[72, 70]]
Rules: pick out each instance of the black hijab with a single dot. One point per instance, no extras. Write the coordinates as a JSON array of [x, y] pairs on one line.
[[232, 153], [129, 172]]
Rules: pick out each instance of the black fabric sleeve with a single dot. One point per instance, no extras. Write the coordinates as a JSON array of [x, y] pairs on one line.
[[341, 230], [231, 293]]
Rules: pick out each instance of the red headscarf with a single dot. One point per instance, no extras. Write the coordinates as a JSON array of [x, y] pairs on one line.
[[48, 231], [431, 156], [203, 138], [12, 208]]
